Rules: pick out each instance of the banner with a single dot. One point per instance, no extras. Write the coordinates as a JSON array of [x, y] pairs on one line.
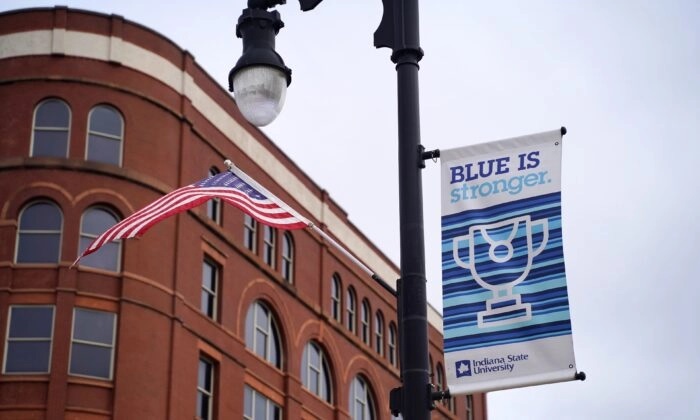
[[505, 303]]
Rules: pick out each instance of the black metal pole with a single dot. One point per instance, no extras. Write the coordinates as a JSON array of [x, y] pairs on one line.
[[399, 30]]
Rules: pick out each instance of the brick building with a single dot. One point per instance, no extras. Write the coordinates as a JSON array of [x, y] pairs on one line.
[[210, 314]]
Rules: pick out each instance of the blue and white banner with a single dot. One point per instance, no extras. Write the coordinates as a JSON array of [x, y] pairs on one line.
[[505, 303]]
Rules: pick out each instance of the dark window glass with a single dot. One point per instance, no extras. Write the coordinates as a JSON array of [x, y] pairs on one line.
[[51, 129], [105, 135], [106, 120], [92, 346], [39, 234], [52, 113], [50, 143], [205, 390], [288, 257], [250, 227], [29, 338]]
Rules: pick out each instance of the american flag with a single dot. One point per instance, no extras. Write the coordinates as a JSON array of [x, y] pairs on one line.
[[233, 187]]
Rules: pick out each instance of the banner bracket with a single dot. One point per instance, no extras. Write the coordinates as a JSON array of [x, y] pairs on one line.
[[430, 154]]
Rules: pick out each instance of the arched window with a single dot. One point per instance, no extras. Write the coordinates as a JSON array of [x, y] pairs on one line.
[[288, 257], [262, 335], [105, 135], [315, 375], [362, 405], [270, 242], [51, 129], [39, 233], [335, 297], [250, 233], [95, 221], [364, 320], [351, 309], [393, 355], [214, 205], [379, 333]]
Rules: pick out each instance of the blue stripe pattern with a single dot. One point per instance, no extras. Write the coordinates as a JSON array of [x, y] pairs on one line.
[[544, 288]]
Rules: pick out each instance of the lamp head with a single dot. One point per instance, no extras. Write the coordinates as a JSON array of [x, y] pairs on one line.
[[259, 79]]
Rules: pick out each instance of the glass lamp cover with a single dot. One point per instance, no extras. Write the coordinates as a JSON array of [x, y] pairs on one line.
[[260, 92]]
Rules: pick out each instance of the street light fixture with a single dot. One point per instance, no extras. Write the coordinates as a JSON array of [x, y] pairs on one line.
[[259, 79], [398, 30]]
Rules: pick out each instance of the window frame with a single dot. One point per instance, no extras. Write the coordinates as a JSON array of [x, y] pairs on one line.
[[67, 129], [379, 333], [351, 310], [111, 346], [250, 233], [107, 136], [212, 295], [8, 340], [322, 373], [269, 246], [366, 399], [365, 333], [214, 207], [269, 404], [336, 298], [270, 331], [210, 393], [392, 351], [288, 257]]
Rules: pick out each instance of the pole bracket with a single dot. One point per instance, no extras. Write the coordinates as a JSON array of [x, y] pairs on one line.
[[430, 154]]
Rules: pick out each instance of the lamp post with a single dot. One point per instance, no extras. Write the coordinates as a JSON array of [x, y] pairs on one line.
[[399, 31]]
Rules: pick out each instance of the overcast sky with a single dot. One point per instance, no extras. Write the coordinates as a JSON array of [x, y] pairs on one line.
[[622, 76]]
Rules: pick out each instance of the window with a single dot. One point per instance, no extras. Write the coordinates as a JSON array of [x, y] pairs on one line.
[[393, 359], [258, 407], [210, 286], [250, 232], [364, 320], [351, 309], [92, 344], [361, 403], [315, 374], [28, 346], [39, 233], [288, 257], [440, 380], [335, 297], [261, 334], [269, 239], [105, 135], [205, 389], [51, 129], [470, 407], [214, 205], [379, 333], [95, 221]]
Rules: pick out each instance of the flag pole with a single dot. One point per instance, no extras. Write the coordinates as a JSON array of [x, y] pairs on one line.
[[250, 181]]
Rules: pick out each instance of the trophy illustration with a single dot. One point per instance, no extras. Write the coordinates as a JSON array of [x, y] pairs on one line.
[[500, 258]]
